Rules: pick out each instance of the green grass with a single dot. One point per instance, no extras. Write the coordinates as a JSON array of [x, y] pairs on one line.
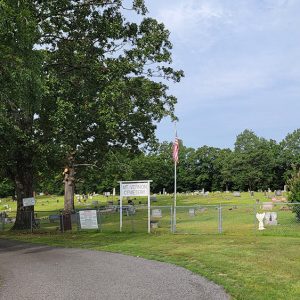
[[249, 264], [249, 267]]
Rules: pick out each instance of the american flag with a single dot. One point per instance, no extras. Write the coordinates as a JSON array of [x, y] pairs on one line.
[[176, 150]]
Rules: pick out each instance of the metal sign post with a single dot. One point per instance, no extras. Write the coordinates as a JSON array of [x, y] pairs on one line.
[[134, 189], [149, 205], [121, 208]]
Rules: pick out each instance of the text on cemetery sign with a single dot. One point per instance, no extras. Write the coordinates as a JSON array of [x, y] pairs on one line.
[[135, 189]]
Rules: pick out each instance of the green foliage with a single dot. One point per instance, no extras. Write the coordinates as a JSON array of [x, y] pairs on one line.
[[76, 81], [101, 91], [6, 188], [253, 163], [294, 192]]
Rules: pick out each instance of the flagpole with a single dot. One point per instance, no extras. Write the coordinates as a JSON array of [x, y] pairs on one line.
[[175, 195], [175, 186]]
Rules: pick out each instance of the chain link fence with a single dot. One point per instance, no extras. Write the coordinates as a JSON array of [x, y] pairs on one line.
[[279, 219]]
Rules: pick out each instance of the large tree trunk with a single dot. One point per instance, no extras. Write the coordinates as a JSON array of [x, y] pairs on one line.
[[24, 189], [69, 181]]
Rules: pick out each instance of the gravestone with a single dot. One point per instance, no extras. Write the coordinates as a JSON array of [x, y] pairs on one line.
[[153, 224], [156, 213], [278, 193], [260, 218], [192, 212], [236, 194], [270, 218], [153, 198], [267, 206], [95, 203]]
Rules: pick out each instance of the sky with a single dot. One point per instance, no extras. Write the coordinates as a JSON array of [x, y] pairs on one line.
[[242, 68]]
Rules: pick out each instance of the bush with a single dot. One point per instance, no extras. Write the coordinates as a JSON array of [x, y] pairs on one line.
[[294, 193]]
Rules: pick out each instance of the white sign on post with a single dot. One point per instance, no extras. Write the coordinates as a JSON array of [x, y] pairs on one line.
[[28, 201], [135, 189], [88, 219]]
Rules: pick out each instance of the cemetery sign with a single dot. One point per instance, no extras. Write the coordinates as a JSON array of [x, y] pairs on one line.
[[135, 189], [88, 219]]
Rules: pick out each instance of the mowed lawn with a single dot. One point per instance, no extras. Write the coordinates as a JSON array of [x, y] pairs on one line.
[[249, 266]]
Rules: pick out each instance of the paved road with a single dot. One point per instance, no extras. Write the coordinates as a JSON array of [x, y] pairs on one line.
[[42, 272]]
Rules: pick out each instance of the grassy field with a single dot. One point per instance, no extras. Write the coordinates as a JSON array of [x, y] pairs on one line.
[[250, 266]]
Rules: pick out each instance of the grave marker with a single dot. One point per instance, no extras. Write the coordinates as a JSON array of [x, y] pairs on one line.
[[267, 206], [192, 212], [156, 213], [236, 194]]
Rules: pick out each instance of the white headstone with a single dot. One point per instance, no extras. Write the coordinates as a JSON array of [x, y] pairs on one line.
[[267, 206], [260, 218], [270, 218], [191, 212], [156, 213]]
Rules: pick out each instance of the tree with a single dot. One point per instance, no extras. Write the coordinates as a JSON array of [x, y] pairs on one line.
[[253, 162], [290, 153], [86, 80], [294, 192], [100, 70], [224, 168], [20, 100]]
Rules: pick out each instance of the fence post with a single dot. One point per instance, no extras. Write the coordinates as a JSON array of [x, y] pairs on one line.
[[78, 220], [62, 223], [220, 219], [2, 219], [254, 219], [174, 221], [171, 218], [31, 225], [100, 220]]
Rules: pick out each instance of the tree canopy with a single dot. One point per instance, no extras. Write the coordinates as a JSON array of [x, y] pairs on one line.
[[80, 79]]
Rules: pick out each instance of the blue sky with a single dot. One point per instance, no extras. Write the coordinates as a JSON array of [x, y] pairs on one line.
[[242, 66]]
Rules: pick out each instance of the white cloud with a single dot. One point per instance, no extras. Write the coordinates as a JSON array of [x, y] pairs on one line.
[[241, 58]]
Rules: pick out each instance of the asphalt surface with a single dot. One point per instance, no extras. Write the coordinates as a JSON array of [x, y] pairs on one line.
[[41, 272]]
